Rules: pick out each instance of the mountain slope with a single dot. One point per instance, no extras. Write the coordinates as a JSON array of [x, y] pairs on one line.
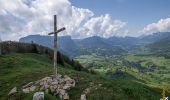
[[66, 44], [100, 46], [154, 37], [18, 69], [160, 47], [75, 47]]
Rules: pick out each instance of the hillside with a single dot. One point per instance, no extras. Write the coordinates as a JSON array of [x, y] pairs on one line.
[[9, 47], [17, 69], [161, 46]]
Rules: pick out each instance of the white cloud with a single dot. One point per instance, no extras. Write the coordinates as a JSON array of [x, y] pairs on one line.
[[163, 25], [102, 26], [25, 17]]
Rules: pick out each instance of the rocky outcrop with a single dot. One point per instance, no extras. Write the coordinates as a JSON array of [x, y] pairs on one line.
[[57, 85]]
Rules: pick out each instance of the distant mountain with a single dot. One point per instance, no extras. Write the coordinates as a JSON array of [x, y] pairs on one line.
[[42, 40], [98, 45], [161, 46], [75, 47], [66, 44], [124, 41], [154, 37]]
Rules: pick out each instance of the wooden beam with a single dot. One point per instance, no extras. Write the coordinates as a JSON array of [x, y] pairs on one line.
[[61, 29], [55, 45]]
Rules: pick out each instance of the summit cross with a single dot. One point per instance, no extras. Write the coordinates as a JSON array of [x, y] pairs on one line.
[[55, 42]]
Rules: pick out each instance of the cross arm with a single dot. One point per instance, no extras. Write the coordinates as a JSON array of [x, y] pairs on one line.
[[61, 29]]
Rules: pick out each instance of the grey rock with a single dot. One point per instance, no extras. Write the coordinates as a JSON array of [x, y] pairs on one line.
[[38, 96], [66, 87], [28, 85], [26, 90], [62, 91], [13, 91], [55, 83], [32, 88], [66, 96], [83, 97]]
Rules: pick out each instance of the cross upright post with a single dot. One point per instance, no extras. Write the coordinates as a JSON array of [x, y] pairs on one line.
[[55, 42], [55, 45]]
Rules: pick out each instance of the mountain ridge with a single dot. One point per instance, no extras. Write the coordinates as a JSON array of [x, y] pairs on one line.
[[95, 44]]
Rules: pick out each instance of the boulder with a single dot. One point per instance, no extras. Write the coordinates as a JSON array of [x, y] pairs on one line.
[[32, 88], [54, 83], [26, 90], [83, 97], [66, 86], [13, 91], [62, 91], [46, 86], [38, 96], [66, 96]]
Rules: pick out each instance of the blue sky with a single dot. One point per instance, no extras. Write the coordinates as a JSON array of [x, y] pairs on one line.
[[84, 18], [137, 13]]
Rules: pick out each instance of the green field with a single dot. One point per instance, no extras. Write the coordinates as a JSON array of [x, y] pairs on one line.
[[18, 69], [152, 71]]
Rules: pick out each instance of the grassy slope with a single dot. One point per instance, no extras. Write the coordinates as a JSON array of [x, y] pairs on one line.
[[18, 69]]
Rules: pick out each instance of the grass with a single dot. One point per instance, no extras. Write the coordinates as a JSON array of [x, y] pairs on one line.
[[151, 70], [18, 69]]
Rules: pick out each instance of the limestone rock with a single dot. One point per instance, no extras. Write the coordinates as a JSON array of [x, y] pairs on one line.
[[56, 84], [83, 97], [28, 85], [32, 88], [66, 96], [26, 90], [66, 87], [13, 91], [62, 91], [38, 96]]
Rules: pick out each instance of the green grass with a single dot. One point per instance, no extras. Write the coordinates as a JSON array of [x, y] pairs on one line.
[[150, 70], [19, 69]]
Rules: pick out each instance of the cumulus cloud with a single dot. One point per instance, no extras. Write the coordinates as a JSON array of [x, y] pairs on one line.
[[163, 25], [102, 26], [25, 17]]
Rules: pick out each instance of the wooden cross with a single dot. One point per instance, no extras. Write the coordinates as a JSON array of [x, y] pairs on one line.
[[55, 42]]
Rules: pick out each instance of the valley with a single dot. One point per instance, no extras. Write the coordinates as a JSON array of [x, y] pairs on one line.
[[149, 69]]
